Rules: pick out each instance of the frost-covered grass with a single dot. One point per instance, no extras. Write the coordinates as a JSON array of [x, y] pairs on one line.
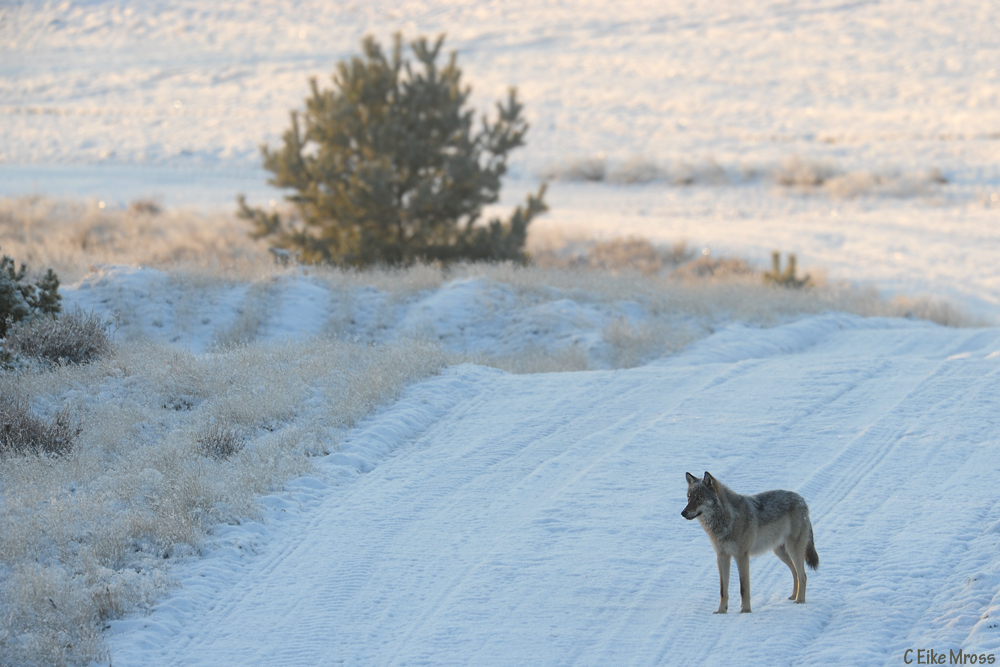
[[73, 236], [797, 174], [88, 536], [656, 315]]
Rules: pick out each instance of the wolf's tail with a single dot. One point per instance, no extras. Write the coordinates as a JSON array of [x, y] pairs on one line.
[[812, 558]]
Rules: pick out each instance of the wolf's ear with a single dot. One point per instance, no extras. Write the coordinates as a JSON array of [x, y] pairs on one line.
[[691, 478], [709, 480]]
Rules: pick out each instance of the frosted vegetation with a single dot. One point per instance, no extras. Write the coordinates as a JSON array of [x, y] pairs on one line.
[[795, 174], [166, 445]]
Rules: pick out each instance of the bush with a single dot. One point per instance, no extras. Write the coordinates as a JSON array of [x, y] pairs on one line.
[[388, 170], [20, 300], [715, 267], [147, 207], [22, 433], [77, 337], [221, 442]]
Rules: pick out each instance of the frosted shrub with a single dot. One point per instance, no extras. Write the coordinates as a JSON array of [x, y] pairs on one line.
[[532, 359], [616, 255], [23, 433], [587, 169], [797, 172], [222, 441], [715, 267], [637, 170], [76, 337], [632, 345], [805, 175], [631, 253], [61, 623], [146, 206]]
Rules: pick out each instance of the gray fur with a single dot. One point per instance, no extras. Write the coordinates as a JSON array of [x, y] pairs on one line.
[[742, 526]]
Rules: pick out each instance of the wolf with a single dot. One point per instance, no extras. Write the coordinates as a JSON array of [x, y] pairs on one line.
[[743, 526]]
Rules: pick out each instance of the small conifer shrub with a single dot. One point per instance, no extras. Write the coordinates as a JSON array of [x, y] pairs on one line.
[[20, 299], [389, 168]]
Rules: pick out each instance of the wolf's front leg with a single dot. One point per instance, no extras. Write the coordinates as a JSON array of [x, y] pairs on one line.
[[723, 561], [743, 566]]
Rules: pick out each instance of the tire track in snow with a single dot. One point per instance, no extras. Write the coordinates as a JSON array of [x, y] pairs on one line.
[[712, 631], [537, 521], [972, 579], [739, 372], [201, 625], [556, 465], [879, 483]]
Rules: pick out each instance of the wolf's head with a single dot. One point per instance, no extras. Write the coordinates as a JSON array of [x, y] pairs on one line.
[[703, 496]]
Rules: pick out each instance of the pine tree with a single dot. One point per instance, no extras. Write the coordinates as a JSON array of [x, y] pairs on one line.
[[13, 306], [388, 169], [20, 300], [47, 298]]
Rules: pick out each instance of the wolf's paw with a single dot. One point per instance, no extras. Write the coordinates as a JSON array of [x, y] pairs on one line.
[[745, 611]]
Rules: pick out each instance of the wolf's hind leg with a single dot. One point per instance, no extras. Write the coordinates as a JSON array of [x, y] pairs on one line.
[[783, 556], [800, 566]]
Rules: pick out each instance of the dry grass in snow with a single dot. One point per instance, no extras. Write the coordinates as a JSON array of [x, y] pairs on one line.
[[85, 536], [797, 174], [676, 310], [72, 237]]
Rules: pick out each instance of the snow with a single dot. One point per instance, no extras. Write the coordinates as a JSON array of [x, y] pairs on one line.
[[490, 518], [303, 310], [186, 84], [476, 315], [508, 520]]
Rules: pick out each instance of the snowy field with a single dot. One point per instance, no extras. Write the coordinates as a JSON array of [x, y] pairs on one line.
[[414, 488]]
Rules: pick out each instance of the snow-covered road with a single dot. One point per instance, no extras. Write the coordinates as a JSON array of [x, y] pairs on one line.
[[536, 519]]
